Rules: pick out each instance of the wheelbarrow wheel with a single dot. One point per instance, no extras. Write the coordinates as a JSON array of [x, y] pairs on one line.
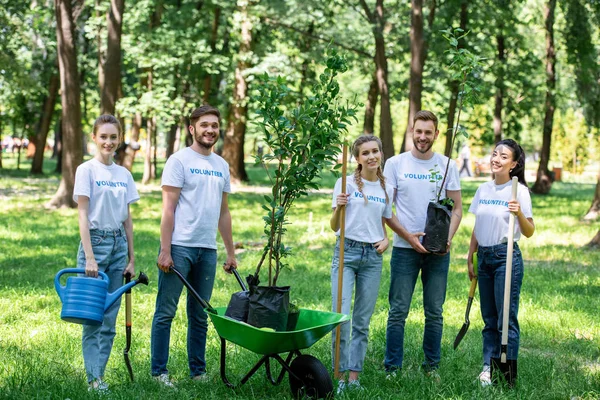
[[311, 380]]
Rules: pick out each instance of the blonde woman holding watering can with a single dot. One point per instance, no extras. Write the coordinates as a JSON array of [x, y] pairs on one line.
[[367, 199], [492, 206], [103, 192]]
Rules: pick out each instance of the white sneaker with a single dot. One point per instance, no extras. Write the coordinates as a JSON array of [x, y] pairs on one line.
[[99, 386], [164, 380], [485, 377], [341, 387], [201, 378], [354, 385]]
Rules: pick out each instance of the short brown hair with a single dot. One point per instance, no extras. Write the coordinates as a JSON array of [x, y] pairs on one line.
[[425, 115], [203, 110], [107, 119]]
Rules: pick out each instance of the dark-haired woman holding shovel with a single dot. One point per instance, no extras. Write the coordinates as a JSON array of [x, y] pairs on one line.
[[497, 208]]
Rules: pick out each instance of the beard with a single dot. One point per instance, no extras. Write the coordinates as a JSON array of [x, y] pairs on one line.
[[420, 150], [203, 144]]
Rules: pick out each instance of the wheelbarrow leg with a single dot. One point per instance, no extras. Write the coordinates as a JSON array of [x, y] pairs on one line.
[[283, 370]]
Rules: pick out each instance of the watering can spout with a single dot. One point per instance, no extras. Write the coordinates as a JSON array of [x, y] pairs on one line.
[[112, 297]]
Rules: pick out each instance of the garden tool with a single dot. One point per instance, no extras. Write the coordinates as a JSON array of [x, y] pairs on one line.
[[128, 326], [85, 299], [507, 368], [465, 326], [336, 368]]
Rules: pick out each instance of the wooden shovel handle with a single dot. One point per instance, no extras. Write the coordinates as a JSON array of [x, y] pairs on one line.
[[508, 274], [336, 367]]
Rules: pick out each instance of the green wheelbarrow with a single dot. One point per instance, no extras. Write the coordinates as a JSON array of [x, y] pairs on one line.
[[308, 376]]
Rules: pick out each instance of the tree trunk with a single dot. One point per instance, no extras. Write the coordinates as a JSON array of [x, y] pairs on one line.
[[112, 63], [594, 210], [543, 182], [499, 97], [233, 145], [127, 156], [370, 105], [41, 136], [454, 85], [1, 129], [595, 242], [149, 171], [305, 48], [417, 58], [207, 89], [70, 100]]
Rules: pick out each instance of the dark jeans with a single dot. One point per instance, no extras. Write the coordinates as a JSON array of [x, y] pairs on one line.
[[405, 267], [491, 262]]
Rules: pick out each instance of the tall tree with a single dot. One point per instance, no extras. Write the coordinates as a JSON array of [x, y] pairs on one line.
[[233, 145], [44, 124], [370, 105], [543, 181], [72, 151], [112, 61], [500, 70], [377, 19]]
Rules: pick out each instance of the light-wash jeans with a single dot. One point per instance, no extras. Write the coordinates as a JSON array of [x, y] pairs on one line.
[[362, 269], [198, 266], [405, 267], [111, 254], [491, 263]]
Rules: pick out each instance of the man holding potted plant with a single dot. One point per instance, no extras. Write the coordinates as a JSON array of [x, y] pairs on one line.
[[414, 176], [195, 184]]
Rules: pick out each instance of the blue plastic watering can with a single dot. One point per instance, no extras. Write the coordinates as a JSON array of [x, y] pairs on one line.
[[85, 299]]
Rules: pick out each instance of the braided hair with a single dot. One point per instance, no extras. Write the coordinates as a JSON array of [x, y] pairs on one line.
[[518, 155], [362, 139]]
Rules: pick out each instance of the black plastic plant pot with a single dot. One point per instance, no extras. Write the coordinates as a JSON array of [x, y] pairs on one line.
[[437, 227], [238, 306], [269, 307]]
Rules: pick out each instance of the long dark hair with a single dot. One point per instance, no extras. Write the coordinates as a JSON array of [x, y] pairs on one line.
[[518, 155]]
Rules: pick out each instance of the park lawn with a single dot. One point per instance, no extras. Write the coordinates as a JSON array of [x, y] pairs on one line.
[[40, 355]]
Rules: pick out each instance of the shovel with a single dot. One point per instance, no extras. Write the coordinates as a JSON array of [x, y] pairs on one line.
[[507, 368], [465, 327], [128, 327]]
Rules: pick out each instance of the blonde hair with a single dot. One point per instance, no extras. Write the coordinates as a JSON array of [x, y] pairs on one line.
[[362, 139]]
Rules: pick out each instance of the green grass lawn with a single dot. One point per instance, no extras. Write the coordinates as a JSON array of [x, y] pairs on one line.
[[40, 355]]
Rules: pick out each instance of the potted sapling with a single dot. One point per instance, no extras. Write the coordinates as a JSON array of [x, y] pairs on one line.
[[299, 144], [465, 68]]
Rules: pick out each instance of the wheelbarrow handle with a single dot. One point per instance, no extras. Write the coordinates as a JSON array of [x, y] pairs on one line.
[[128, 326], [193, 292], [239, 279]]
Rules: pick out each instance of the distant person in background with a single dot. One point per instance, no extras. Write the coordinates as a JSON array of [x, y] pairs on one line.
[[103, 192], [492, 206], [368, 202], [465, 155]]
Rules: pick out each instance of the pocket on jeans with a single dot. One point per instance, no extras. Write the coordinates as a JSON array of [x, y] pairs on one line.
[[96, 239]]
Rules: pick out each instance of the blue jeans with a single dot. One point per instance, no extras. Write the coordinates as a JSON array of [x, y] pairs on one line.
[[198, 266], [405, 266], [111, 254], [362, 268], [491, 263]]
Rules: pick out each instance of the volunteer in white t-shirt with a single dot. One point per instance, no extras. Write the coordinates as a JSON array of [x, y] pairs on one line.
[[492, 206], [103, 191], [410, 174], [195, 184], [368, 202]]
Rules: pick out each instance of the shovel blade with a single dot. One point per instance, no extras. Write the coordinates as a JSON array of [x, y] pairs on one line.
[[461, 334], [504, 371]]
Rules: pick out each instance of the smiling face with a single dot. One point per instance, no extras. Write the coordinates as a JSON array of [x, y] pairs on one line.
[[424, 134], [502, 160], [107, 139], [369, 156], [206, 131]]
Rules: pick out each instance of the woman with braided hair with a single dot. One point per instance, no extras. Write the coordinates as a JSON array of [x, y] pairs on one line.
[[492, 206], [368, 204]]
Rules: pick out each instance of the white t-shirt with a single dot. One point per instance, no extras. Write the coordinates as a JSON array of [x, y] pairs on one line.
[[202, 180], [490, 206], [363, 221], [411, 178], [110, 189]]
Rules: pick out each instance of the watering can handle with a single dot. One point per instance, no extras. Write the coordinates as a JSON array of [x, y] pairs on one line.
[[60, 288]]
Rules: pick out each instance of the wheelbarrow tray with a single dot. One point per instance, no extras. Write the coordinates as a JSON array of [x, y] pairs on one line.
[[312, 325]]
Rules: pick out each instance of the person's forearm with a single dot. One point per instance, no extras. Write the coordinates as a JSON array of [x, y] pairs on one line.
[[128, 225], [526, 224], [334, 221], [397, 227], [84, 233], [225, 230], [472, 245], [454, 223], [166, 231]]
